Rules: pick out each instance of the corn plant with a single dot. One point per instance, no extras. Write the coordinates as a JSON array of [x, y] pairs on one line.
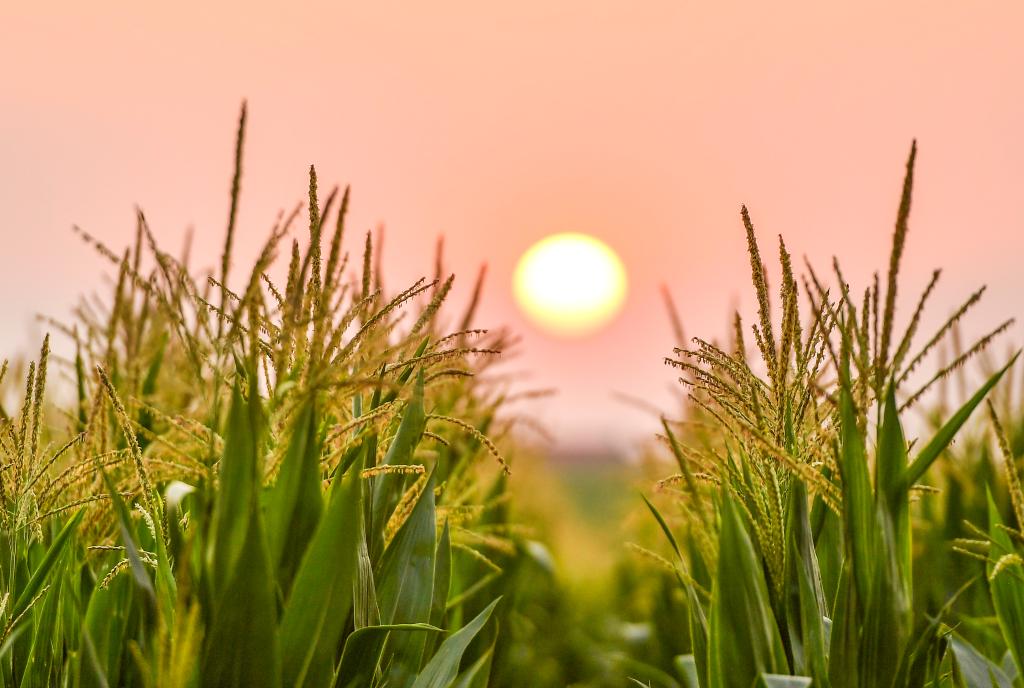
[[279, 485], [796, 563]]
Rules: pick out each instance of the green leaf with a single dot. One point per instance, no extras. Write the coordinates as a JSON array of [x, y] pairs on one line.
[[295, 502], [686, 667], [861, 528], [442, 668], [885, 615], [891, 460], [406, 575], [239, 466], [241, 649], [406, 583], [890, 490], [388, 488], [698, 621], [945, 435], [744, 636], [977, 670], [130, 539], [1005, 588], [361, 656], [813, 636], [844, 634], [477, 675], [804, 599], [442, 577], [104, 627], [365, 611], [42, 572], [923, 658], [442, 585], [664, 527], [321, 597]]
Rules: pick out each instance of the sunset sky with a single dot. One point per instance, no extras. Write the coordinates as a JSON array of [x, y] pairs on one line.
[[644, 124]]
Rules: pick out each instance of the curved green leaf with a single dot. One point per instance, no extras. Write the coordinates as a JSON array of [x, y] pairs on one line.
[[442, 668]]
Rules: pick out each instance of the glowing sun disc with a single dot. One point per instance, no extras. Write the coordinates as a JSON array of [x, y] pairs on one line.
[[570, 284]]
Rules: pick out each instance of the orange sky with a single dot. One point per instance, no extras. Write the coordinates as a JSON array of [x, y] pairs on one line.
[[645, 124]]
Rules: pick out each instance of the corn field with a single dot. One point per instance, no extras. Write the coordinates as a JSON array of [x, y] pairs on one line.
[[237, 481]]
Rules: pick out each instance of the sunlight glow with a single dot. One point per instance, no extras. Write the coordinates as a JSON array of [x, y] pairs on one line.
[[570, 284]]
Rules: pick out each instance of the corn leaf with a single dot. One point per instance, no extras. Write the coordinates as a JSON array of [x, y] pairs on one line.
[[1005, 586], [321, 596], [242, 648], [744, 636], [442, 668], [295, 502]]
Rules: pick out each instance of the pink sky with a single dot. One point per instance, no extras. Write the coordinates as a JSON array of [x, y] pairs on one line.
[[644, 124]]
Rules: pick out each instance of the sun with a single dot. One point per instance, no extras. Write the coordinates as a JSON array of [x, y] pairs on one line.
[[570, 284]]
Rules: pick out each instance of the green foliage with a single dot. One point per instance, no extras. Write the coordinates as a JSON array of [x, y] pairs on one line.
[[744, 640], [296, 484], [267, 487], [802, 493]]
